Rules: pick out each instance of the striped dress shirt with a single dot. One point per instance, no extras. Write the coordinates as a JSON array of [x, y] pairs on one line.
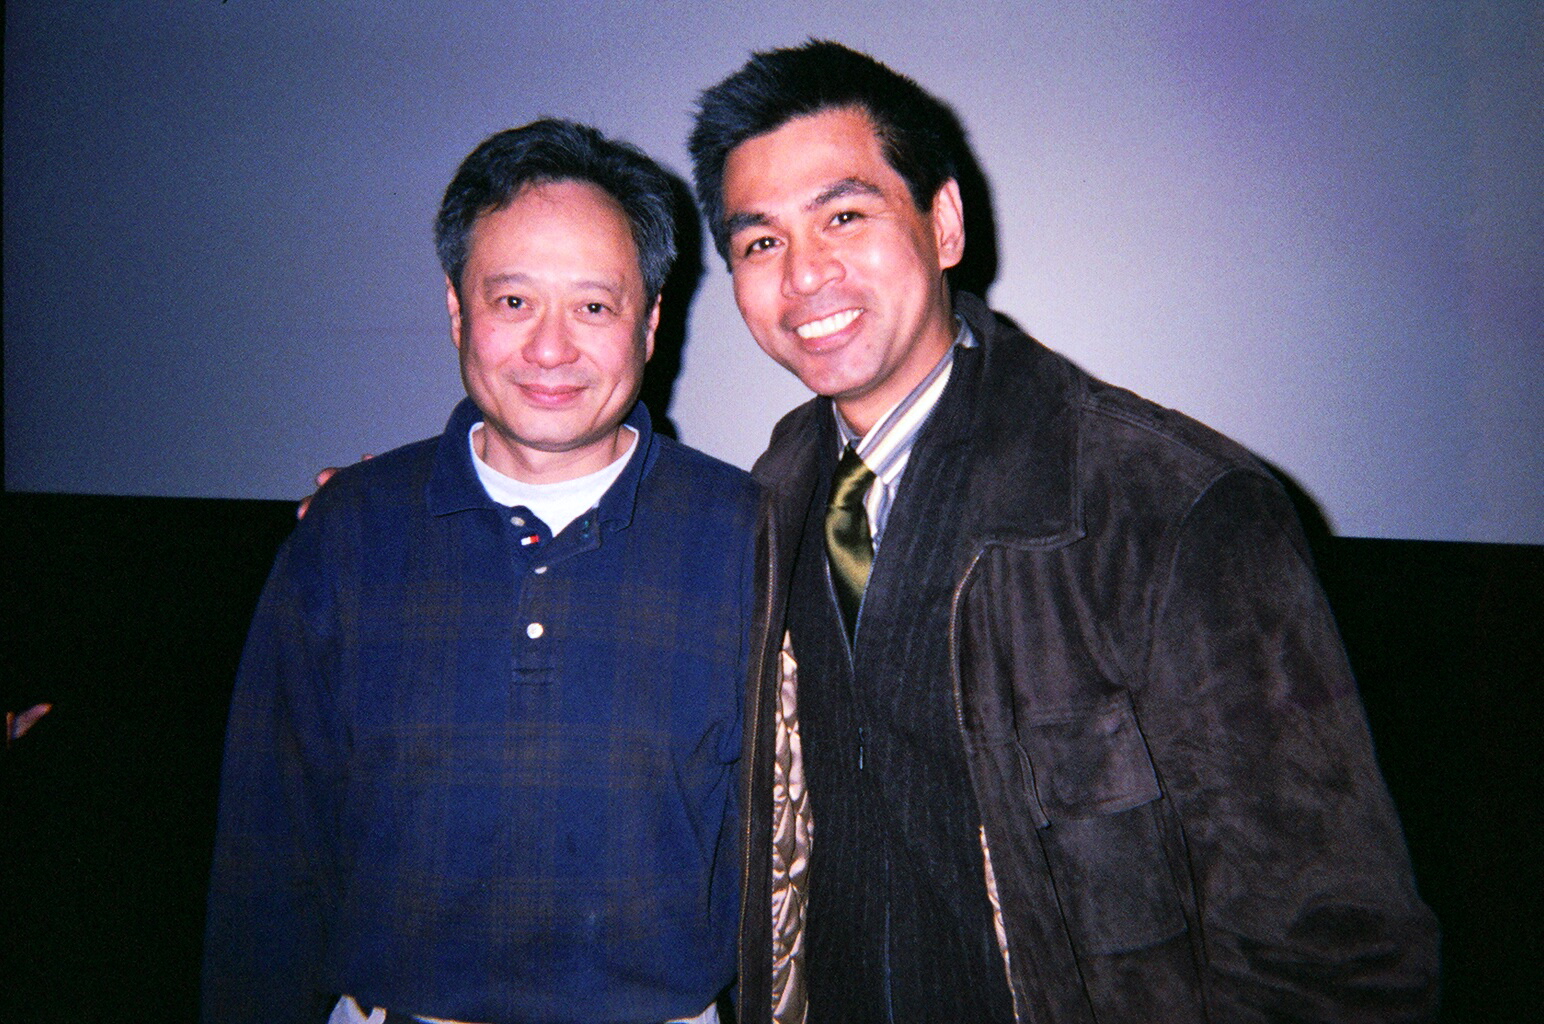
[[886, 448]]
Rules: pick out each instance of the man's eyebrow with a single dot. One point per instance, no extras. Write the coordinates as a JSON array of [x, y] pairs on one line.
[[842, 190], [607, 285], [491, 281], [740, 221]]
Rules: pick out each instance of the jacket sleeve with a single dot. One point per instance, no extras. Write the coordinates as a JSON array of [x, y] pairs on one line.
[[273, 878], [1306, 901]]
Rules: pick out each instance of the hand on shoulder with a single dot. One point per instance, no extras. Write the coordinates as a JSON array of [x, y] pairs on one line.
[[326, 474]]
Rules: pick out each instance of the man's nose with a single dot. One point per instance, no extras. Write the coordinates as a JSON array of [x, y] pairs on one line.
[[809, 266], [551, 343]]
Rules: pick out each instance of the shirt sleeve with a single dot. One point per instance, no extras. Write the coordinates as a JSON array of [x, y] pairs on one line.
[[274, 873]]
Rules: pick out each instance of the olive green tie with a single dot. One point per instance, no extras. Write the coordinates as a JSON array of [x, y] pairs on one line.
[[849, 544]]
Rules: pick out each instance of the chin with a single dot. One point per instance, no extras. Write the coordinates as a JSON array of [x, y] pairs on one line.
[[831, 385]]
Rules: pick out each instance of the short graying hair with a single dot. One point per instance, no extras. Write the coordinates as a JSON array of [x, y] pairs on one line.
[[552, 150]]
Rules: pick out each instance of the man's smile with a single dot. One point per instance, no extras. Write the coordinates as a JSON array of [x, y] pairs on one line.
[[550, 395], [828, 325]]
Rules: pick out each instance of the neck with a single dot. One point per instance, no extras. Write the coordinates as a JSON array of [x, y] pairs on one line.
[[535, 466], [861, 412]]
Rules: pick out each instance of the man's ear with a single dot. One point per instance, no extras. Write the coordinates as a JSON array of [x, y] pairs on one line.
[[453, 306], [648, 333], [949, 224]]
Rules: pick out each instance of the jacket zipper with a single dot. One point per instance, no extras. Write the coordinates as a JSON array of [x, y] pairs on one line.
[[990, 873]]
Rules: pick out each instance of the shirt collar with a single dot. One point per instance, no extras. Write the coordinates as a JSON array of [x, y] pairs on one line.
[[454, 487], [892, 435]]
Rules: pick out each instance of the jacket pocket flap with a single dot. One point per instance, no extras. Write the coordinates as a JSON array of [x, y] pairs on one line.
[[1089, 763]]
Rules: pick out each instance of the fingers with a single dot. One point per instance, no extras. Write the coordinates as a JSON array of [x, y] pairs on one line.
[[18, 722], [324, 475], [321, 481]]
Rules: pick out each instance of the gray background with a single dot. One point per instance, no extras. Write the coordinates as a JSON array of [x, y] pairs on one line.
[[1318, 227]]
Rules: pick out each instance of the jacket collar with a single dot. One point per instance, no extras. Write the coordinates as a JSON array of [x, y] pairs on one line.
[[453, 485], [1017, 420]]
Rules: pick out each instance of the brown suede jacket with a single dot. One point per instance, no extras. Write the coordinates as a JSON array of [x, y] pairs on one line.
[[1182, 816]]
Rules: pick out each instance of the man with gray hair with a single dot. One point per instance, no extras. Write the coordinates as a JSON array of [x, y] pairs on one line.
[[483, 747]]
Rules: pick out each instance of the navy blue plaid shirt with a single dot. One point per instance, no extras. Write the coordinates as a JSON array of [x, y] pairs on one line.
[[479, 772]]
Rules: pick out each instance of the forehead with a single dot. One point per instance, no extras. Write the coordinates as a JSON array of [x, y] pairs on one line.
[[804, 156], [561, 223]]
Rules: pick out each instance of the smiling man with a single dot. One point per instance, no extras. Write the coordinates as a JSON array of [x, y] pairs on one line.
[[836, 270], [1053, 723], [482, 755]]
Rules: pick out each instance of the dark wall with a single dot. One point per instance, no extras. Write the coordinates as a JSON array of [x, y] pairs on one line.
[[129, 613], [1447, 641]]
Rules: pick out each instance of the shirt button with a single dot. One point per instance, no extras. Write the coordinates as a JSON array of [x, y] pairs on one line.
[[517, 520], [534, 630], [539, 569]]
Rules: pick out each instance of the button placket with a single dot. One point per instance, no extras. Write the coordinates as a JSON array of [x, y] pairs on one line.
[[535, 647]]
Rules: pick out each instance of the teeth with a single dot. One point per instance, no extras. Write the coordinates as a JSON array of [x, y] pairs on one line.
[[827, 325]]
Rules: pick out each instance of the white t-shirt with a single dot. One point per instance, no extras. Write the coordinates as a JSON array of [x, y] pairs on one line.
[[557, 504]]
